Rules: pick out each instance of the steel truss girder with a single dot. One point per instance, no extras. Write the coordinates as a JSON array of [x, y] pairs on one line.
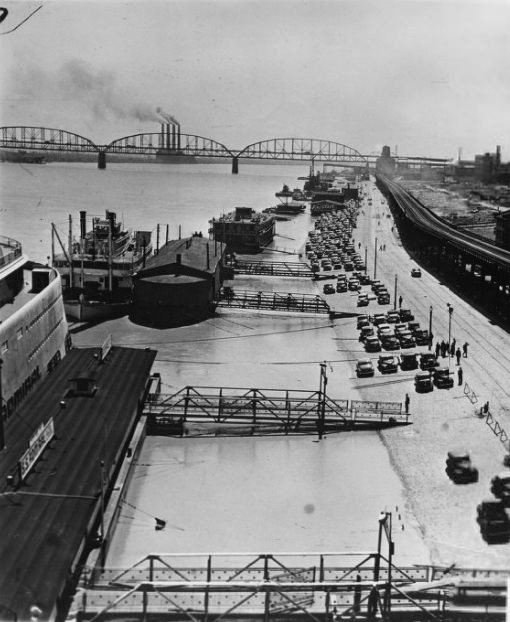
[[154, 142], [302, 149], [44, 139]]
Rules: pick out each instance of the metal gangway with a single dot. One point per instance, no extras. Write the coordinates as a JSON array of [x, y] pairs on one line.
[[273, 268], [286, 586], [204, 411], [273, 301]]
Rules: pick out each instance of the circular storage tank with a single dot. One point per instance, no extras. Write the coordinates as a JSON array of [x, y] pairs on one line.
[[171, 300]]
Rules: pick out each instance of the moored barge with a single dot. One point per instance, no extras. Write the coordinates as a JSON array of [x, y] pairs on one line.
[[243, 229]]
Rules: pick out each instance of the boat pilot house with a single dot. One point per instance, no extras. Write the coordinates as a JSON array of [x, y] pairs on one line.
[[180, 284]]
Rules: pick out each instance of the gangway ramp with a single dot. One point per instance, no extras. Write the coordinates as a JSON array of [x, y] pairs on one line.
[[199, 411], [273, 301], [273, 268]]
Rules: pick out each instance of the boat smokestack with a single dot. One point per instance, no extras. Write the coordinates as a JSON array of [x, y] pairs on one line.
[[167, 146], [173, 136], [83, 225], [162, 136]]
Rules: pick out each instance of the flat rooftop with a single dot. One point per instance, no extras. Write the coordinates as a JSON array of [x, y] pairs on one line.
[[46, 520]]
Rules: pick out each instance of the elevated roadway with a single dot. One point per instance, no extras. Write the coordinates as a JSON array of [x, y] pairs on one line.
[[475, 263]]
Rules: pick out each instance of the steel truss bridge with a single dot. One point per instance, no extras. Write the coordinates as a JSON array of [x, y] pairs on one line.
[[287, 586], [151, 145], [197, 411]]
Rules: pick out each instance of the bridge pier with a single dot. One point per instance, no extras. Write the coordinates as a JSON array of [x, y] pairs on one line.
[[101, 160], [235, 166]]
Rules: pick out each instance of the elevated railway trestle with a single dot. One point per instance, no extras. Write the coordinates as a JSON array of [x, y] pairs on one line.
[[470, 263], [287, 586], [200, 411]]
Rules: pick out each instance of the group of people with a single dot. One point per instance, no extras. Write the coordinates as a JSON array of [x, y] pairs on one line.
[[444, 349]]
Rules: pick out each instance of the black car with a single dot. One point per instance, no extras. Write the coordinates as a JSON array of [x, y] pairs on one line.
[[493, 520], [328, 289], [383, 299], [416, 272], [500, 487], [390, 342], [428, 361], [408, 360], [459, 467], [422, 337], [406, 315]]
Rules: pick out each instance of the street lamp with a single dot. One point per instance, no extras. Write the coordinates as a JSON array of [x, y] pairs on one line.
[[430, 327], [450, 313], [375, 260]]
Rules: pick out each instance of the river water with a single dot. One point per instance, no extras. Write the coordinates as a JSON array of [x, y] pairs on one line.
[[225, 494]]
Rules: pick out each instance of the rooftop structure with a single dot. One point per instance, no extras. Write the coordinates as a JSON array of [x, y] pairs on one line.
[[80, 420]]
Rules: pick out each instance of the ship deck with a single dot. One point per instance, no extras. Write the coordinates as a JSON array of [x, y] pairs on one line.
[[47, 522]]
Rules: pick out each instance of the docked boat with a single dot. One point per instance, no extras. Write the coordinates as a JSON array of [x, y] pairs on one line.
[[33, 327], [244, 229], [97, 269], [290, 207], [324, 207], [285, 192]]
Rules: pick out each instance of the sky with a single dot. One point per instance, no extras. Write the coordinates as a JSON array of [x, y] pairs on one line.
[[427, 77]]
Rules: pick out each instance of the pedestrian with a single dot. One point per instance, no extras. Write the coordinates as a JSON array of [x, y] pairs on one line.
[[464, 349], [460, 375], [438, 349], [400, 301], [373, 599], [458, 355], [443, 348], [384, 247], [486, 407], [454, 343], [407, 403], [452, 349]]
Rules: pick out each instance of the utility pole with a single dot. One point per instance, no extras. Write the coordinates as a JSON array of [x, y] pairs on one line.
[[375, 260], [395, 294], [323, 381], [450, 313]]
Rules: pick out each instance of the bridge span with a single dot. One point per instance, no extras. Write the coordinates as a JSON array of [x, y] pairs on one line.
[[171, 144]]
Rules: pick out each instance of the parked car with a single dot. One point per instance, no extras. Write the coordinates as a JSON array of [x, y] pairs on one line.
[[406, 315], [375, 284], [393, 317], [364, 279], [500, 487], [362, 300], [442, 378], [422, 337], [390, 342], [423, 382], [354, 285], [406, 339], [428, 361], [328, 289], [413, 326], [493, 520], [341, 287], [379, 318], [387, 363], [459, 468], [362, 320], [383, 330], [366, 331], [372, 344], [408, 360], [364, 368], [400, 328], [383, 299], [416, 272]]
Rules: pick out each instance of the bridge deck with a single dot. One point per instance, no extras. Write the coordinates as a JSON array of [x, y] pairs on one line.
[[273, 268]]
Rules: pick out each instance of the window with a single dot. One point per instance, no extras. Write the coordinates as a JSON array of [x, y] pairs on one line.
[[5, 347], [19, 334]]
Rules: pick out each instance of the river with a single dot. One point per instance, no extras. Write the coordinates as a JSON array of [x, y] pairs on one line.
[[242, 494]]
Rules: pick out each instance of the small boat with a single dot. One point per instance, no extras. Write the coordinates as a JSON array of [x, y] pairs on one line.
[[284, 192], [298, 195], [290, 207]]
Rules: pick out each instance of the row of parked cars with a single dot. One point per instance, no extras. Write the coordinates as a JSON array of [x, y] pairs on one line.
[[492, 514], [329, 246]]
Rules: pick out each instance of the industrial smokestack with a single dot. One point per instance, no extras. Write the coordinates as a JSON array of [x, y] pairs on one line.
[[83, 224], [498, 156], [162, 136], [173, 136], [167, 146]]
